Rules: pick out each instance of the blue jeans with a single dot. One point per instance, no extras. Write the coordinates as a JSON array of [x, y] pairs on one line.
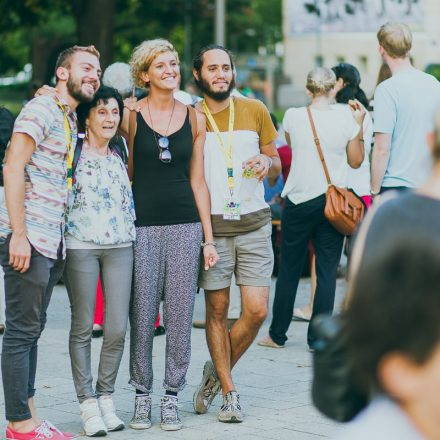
[[27, 298]]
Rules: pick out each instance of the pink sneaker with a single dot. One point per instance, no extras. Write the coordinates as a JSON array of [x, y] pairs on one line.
[[67, 435], [43, 431]]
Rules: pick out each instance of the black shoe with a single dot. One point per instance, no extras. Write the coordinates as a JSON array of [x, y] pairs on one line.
[[159, 330], [2, 329]]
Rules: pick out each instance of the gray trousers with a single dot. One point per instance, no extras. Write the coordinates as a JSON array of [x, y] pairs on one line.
[[81, 276], [166, 265], [27, 298]]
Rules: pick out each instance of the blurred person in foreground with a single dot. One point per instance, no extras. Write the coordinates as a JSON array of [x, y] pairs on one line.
[[404, 106], [303, 219], [32, 246], [396, 347]]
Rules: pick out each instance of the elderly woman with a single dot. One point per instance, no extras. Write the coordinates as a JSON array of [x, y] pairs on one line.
[[173, 214], [303, 217], [99, 238]]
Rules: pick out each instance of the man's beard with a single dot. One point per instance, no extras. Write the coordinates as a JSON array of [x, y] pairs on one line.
[[75, 91], [205, 88]]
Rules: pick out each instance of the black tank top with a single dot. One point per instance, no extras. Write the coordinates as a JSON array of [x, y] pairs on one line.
[[162, 191]]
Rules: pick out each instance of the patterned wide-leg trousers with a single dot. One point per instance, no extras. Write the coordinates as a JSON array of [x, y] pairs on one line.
[[166, 265]]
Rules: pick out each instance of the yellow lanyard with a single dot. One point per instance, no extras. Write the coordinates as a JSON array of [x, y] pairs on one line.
[[226, 150], [69, 145]]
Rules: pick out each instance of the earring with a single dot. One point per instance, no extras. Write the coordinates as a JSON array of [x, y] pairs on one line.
[[87, 133]]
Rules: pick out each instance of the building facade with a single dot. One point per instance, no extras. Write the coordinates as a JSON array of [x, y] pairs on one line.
[[327, 32]]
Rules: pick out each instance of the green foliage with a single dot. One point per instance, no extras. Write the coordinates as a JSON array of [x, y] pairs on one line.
[[250, 24]]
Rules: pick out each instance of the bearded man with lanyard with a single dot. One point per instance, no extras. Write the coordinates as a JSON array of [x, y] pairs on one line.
[[240, 138]]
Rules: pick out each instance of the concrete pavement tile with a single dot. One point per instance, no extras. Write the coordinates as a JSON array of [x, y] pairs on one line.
[[278, 378], [289, 434], [229, 429]]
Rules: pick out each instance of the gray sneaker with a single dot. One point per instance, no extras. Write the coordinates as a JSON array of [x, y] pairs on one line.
[[169, 414], [207, 390], [142, 413], [230, 412]]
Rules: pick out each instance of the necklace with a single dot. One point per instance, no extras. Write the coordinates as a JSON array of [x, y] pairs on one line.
[[163, 143]]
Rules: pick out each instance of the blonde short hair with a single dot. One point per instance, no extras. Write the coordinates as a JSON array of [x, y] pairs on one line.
[[396, 39], [144, 54], [320, 81]]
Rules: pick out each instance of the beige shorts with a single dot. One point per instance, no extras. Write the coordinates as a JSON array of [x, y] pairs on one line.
[[249, 256]]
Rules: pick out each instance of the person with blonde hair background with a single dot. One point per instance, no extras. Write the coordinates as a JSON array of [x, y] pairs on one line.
[[303, 219], [172, 208], [404, 107]]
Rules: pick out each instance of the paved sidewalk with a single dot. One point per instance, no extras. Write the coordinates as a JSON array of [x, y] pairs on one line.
[[274, 385]]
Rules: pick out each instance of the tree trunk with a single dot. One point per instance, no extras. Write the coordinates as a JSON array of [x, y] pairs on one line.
[[94, 24], [44, 53]]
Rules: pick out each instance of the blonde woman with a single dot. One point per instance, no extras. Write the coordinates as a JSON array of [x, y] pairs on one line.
[[172, 211], [303, 217]]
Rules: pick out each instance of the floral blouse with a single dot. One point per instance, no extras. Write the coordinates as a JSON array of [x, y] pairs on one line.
[[100, 206]]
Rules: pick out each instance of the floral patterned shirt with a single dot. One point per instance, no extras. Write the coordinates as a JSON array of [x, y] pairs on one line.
[[100, 205]]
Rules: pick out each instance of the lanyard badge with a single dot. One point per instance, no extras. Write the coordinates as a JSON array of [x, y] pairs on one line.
[[231, 206]]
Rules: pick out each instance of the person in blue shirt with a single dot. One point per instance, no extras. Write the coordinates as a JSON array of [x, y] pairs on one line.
[[404, 108]]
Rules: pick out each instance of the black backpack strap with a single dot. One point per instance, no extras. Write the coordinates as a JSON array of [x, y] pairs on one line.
[[116, 148], [77, 154]]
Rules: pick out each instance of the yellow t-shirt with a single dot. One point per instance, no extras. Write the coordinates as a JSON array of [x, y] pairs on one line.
[[253, 128]]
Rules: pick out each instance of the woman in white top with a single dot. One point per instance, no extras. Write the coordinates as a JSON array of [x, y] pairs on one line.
[[99, 238], [347, 88], [303, 216]]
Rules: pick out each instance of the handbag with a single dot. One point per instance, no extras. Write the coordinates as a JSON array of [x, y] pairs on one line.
[[343, 208]]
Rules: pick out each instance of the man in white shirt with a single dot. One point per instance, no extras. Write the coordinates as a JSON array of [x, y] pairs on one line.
[[240, 136]]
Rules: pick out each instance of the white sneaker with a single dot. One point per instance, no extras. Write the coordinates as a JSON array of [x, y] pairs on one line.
[[91, 418], [111, 420]]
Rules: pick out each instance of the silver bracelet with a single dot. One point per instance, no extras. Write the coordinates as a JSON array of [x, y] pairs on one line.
[[208, 243]]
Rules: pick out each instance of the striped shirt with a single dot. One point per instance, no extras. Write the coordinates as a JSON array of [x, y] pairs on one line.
[[45, 175]]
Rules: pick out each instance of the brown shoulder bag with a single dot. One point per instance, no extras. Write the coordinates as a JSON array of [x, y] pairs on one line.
[[343, 208]]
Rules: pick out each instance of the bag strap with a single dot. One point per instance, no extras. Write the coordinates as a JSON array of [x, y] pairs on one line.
[[193, 121], [132, 126], [77, 154], [318, 147]]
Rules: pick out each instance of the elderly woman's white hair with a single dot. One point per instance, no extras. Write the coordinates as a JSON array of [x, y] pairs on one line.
[[118, 76]]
